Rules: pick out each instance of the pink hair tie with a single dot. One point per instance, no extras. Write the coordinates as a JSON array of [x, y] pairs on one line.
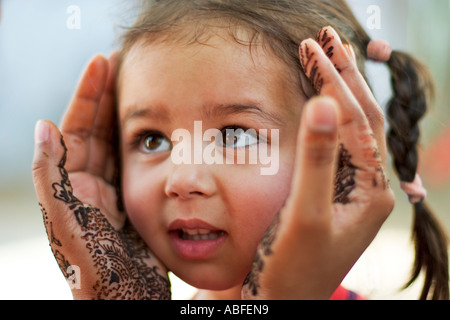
[[379, 51], [415, 190]]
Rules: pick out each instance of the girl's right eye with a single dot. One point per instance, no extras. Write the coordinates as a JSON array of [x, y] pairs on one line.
[[154, 142]]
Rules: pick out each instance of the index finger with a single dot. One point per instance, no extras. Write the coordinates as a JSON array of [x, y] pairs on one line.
[[344, 61], [355, 132], [100, 158], [327, 81], [80, 117]]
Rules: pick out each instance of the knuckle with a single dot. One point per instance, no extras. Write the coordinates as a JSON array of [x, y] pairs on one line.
[[38, 169], [347, 65], [389, 201], [383, 204], [376, 117]]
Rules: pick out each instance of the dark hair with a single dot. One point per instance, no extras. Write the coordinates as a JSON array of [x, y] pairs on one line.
[[413, 89], [281, 26]]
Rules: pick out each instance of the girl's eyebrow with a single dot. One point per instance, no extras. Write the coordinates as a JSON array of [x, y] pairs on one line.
[[209, 112], [136, 112], [220, 110]]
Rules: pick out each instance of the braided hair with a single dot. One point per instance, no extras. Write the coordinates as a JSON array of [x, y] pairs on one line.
[[412, 90]]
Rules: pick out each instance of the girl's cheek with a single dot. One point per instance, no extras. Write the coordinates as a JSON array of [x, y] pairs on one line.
[[139, 194], [261, 198]]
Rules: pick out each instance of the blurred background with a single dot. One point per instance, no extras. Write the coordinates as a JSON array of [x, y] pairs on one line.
[[45, 45]]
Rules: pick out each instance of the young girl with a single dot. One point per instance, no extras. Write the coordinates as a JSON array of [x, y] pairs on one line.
[[254, 75]]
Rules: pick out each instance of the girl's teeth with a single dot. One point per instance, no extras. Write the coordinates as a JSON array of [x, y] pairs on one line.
[[197, 235], [193, 232]]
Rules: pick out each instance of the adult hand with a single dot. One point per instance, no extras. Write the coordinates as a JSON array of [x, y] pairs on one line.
[[96, 248], [335, 208]]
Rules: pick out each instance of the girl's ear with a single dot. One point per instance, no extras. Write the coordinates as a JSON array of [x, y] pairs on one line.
[[307, 87]]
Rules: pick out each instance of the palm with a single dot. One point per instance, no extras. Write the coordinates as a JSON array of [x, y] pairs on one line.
[[100, 194], [85, 226]]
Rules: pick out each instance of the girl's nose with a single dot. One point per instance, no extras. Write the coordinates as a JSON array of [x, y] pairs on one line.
[[187, 181]]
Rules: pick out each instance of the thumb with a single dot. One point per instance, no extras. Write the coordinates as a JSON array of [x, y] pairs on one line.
[[49, 176], [316, 156], [51, 179], [56, 200]]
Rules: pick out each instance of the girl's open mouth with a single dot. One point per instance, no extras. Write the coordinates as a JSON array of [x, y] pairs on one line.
[[199, 234], [196, 239]]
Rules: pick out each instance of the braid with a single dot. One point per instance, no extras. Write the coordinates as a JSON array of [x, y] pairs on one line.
[[405, 110], [412, 88]]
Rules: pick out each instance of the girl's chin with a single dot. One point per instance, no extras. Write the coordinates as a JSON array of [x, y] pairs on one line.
[[213, 281]]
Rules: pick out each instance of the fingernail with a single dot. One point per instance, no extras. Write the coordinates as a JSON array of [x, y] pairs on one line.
[[41, 132], [322, 115]]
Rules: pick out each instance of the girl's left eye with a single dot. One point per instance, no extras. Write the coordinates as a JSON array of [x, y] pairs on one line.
[[154, 142], [236, 137]]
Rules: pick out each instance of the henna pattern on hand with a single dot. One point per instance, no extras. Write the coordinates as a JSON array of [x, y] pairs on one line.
[[264, 250], [118, 256], [372, 157], [323, 38], [55, 244], [345, 177], [315, 77]]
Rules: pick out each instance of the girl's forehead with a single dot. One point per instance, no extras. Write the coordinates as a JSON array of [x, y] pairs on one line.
[[220, 71], [239, 44], [217, 50]]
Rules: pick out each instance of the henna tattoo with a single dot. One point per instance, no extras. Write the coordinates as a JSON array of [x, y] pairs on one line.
[[264, 250], [323, 38], [372, 157], [55, 244], [373, 167], [345, 177], [315, 77], [119, 256]]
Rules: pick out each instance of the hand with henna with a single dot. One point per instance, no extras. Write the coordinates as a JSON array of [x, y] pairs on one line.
[[73, 174], [340, 196]]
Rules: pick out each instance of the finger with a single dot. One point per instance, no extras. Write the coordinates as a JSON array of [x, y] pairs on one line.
[[302, 237], [316, 155], [327, 81], [355, 132], [49, 176], [52, 185], [343, 58], [101, 156], [80, 117]]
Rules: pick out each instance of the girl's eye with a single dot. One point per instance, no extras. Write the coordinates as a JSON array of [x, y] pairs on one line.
[[236, 137], [152, 143]]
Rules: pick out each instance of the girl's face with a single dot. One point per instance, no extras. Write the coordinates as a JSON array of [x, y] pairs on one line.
[[204, 221]]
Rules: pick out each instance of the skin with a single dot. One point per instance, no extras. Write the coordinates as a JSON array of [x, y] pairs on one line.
[[314, 240], [233, 198]]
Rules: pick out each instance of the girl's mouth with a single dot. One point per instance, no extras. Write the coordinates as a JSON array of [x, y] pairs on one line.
[[199, 234], [196, 239]]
